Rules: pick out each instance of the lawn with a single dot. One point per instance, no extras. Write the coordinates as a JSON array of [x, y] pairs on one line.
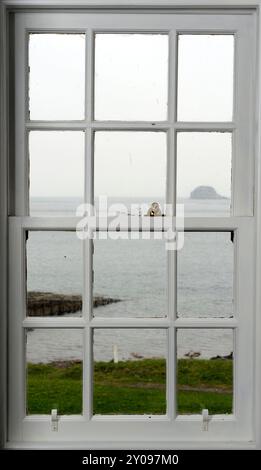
[[131, 387]]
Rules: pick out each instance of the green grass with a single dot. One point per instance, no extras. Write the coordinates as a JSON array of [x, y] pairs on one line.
[[131, 387]]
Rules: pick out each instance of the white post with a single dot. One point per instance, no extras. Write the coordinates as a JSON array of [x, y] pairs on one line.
[[115, 354]]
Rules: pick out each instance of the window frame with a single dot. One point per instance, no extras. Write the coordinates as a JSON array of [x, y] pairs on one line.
[[242, 224]]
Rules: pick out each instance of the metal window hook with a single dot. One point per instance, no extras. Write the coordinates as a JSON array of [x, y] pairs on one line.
[[205, 419]]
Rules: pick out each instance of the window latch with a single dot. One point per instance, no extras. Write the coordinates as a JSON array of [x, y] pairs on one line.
[[205, 419], [54, 420]]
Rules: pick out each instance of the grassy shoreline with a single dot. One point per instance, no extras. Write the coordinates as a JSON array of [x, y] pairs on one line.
[[131, 387]]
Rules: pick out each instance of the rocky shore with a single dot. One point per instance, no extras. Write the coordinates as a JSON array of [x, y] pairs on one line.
[[43, 304]]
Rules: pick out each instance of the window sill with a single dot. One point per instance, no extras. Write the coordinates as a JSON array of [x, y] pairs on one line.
[[145, 445]]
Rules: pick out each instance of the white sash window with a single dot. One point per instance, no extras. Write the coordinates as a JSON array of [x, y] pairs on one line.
[[75, 107]]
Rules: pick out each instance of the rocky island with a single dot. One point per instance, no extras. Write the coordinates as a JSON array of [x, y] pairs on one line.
[[43, 304], [205, 192]]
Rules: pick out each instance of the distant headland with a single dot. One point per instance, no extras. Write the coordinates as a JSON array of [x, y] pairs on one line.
[[205, 192]]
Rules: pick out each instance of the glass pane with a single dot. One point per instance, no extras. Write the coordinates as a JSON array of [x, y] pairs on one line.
[[54, 371], [54, 272], [130, 167], [129, 371], [57, 76], [131, 77], [204, 172], [205, 371], [130, 278], [205, 275], [56, 172], [205, 77]]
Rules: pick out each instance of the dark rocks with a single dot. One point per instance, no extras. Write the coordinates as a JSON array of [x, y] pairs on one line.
[[41, 304], [192, 354], [229, 356], [99, 301]]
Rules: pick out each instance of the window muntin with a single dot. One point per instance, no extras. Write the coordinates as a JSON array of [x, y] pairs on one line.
[[242, 205]]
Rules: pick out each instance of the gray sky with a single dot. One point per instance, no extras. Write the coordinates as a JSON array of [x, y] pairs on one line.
[[131, 84]]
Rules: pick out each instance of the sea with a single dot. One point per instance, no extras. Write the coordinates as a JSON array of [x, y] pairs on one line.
[[134, 272]]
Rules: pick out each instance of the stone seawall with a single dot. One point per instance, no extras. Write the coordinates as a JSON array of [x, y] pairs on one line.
[[41, 304]]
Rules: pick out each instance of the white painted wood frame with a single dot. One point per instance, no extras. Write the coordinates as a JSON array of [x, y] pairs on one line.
[[140, 431]]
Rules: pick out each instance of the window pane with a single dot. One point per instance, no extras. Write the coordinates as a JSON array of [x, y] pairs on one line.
[[56, 172], [205, 275], [205, 371], [205, 77], [54, 371], [131, 77], [131, 274], [57, 76], [204, 172], [130, 167], [54, 272], [129, 371]]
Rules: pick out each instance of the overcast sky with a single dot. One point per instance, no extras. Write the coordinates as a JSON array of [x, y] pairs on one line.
[[131, 78]]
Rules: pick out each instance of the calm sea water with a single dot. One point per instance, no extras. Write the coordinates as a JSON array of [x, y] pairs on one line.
[[133, 271]]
